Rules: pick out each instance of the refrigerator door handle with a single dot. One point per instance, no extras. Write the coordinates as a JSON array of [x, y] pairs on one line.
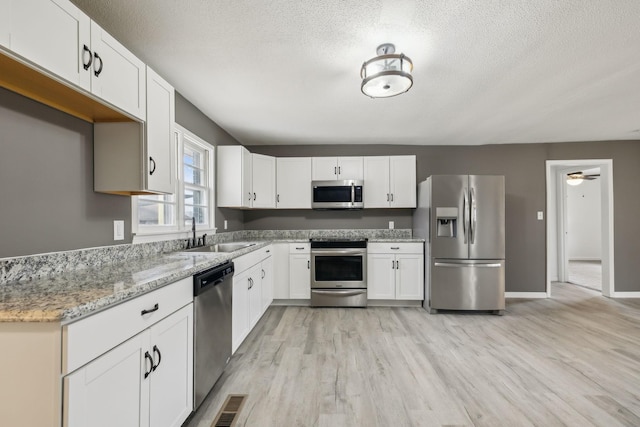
[[465, 219], [478, 265], [474, 216]]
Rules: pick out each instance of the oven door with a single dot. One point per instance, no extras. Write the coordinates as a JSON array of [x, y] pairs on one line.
[[338, 269]]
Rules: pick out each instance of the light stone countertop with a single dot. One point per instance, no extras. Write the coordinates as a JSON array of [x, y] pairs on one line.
[[69, 296]]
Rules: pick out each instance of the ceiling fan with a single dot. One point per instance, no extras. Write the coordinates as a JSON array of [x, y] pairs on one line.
[[576, 178]]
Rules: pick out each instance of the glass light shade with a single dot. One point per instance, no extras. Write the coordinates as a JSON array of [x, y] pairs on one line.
[[386, 75], [574, 181]]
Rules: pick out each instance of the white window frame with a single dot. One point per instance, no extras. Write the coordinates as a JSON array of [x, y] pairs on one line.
[[143, 233]]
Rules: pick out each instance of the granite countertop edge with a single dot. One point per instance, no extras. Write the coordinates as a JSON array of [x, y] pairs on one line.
[[66, 298]]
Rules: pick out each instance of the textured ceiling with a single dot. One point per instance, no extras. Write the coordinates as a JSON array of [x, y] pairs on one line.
[[485, 72]]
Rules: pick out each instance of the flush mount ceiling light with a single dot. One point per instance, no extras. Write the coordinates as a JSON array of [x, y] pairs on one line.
[[388, 74]]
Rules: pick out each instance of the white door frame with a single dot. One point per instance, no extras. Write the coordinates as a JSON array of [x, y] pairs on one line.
[[555, 170]]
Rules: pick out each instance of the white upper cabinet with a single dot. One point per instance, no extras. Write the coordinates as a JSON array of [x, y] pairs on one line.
[[245, 180], [5, 22], [331, 168], [137, 158], [117, 75], [263, 181], [60, 39], [50, 34], [159, 134], [234, 177], [390, 182], [293, 183]]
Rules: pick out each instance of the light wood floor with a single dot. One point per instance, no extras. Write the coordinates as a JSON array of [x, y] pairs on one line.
[[571, 360]]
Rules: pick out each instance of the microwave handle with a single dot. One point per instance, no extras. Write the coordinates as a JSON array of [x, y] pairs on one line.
[[353, 192]]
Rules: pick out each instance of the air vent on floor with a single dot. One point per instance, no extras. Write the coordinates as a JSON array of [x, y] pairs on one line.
[[230, 410]]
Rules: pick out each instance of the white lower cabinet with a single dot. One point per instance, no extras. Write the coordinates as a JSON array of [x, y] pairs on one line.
[[252, 293], [145, 381], [395, 271], [299, 271]]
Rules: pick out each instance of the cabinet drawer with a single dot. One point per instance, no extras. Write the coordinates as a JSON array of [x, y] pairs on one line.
[[299, 248], [395, 248], [88, 338], [247, 261]]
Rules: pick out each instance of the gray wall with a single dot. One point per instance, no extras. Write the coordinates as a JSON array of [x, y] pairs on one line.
[[46, 183], [524, 168], [191, 118]]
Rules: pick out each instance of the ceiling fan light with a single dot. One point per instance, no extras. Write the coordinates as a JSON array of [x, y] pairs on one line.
[[574, 181], [386, 75]]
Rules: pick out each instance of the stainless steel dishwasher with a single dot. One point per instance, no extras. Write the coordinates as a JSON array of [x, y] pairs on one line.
[[212, 291]]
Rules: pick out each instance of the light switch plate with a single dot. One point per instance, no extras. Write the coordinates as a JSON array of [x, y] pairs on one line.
[[540, 215], [391, 225], [118, 230], [225, 224]]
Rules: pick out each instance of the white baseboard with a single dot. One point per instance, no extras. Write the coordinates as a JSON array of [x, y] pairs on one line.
[[525, 295], [626, 295]]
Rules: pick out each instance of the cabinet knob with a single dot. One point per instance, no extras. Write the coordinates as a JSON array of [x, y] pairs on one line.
[[395, 248]]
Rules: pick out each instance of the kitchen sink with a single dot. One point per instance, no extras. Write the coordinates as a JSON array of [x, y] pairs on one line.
[[223, 247]]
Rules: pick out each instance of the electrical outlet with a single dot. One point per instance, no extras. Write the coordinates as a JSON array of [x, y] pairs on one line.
[[225, 224], [391, 225], [540, 216], [118, 230]]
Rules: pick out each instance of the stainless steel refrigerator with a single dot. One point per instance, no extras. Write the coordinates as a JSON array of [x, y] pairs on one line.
[[461, 218]]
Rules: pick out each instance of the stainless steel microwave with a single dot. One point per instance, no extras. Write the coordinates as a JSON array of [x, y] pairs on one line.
[[345, 194]]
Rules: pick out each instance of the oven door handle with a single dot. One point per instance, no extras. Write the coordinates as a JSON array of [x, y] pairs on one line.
[[320, 251], [340, 292]]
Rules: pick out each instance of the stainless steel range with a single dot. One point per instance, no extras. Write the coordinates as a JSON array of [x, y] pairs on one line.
[[338, 273]]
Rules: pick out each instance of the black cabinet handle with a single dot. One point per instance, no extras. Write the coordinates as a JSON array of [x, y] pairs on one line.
[[85, 49], [263, 274], [156, 350], [335, 170], [308, 264], [155, 308], [393, 264], [148, 357], [152, 163], [254, 196], [278, 198], [97, 58]]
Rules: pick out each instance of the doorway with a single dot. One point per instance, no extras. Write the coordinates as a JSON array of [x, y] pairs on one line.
[[559, 249]]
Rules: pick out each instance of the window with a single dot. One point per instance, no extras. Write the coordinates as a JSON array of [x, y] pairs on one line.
[[193, 196]]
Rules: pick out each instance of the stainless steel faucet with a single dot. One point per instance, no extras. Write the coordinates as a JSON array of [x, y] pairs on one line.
[[193, 228], [196, 242]]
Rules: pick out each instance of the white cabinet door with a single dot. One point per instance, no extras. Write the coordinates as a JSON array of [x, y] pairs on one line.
[[117, 76], [233, 169], [240, 309], [381, 276], [255, 296], [350, 168], [300, 276], [267, 283], [329, 168], [281, 271], [51, 34], [410, 276], [171, 387], [324, 168], [5, 22], [159, 133], [114, 380], [402, 178], [263, 181], [293, 182], [376, 182]]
